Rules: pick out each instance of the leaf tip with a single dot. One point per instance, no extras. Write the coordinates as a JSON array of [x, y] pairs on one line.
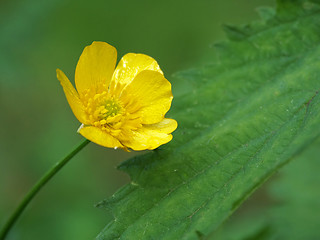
[[266, 13], [234, 32]]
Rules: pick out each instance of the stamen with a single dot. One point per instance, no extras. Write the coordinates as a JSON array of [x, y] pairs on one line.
[[103, 111]]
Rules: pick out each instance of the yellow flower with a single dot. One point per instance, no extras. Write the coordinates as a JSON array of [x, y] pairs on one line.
[[122, 107]]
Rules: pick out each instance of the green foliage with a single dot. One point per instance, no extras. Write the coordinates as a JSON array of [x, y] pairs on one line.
[[240, 119], [287, 208], [296, 214]]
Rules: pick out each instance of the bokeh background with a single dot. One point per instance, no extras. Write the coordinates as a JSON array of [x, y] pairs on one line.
[[37, 125]]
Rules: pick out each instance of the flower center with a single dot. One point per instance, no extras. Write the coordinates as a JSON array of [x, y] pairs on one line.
[[112, 108], [103, 110]]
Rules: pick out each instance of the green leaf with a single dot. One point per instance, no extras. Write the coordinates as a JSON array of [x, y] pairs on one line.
[[288, 208], [296, 214], [240, 119]]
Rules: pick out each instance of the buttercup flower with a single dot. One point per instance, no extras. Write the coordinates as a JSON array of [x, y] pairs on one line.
[[122, 107]]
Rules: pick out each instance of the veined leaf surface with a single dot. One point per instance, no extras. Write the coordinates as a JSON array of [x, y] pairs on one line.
[[240, 119]]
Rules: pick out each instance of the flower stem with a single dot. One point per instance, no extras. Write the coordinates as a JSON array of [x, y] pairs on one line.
[[35, 189]]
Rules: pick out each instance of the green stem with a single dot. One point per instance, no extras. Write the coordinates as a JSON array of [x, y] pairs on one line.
[[35, 189]]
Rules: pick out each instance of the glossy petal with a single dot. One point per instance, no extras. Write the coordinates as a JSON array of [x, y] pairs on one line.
[[152, 136], [98, 136], [150, 96], [137, 88], [167, 125], [95, 67], [130, 66], [72, 96]]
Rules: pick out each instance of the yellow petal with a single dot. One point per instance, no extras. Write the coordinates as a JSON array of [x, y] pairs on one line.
[[98, 136], [130, 66], [152, 136], [148, 96], [95, 67], [167, 125], [72, 96]]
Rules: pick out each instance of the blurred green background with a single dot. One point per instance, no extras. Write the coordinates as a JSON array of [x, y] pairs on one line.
[[38, 127]]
